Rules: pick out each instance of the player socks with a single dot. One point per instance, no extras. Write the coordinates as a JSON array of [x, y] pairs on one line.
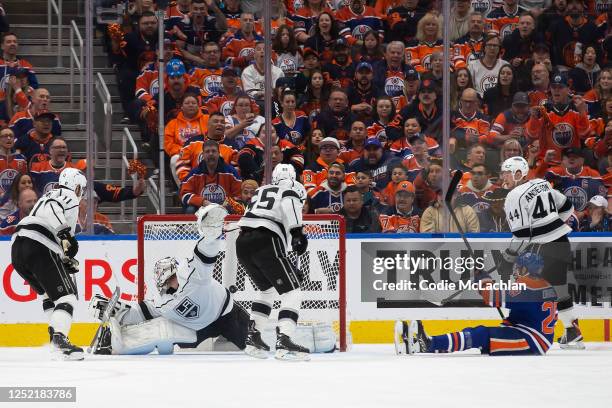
[[61, 317], [289, 312], [463, 340], [262, 307]]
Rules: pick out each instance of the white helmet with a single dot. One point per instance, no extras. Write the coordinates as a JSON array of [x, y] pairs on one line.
[[163, 270], [74, 180], [210, 221], [514, 164], [283, 172]]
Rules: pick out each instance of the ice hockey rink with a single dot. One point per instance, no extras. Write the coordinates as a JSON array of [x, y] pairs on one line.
[[367, 376]]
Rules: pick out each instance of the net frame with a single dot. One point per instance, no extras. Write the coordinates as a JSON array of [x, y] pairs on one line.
[[308, 218]]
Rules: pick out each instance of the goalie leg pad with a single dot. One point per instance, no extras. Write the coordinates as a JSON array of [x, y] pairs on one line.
[[318, 337], [143, 338]]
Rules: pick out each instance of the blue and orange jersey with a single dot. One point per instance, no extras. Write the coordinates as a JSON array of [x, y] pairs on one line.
[[402, 148], [224, 103], [465, 50], [350, 153], [357, 25], [591, 97], [174, 16], [297, 133], [322, 197], [578, 188], [8, 68], [315, 173], [22, 122], [502, 22], [208, 79], [532, 310], [101, 225], [504, 124], [200, 185], [8, 225], [559, 128], [147, 83], [539, 98], [468, 130], [332, 71], [251, 156], [34, 149], [393, 221], [237, 48], [419, 54], [304, 19], [191, 155], [390, 80], [21, 101], [10, 167], [377, 130], [45, 176], [475, 198]]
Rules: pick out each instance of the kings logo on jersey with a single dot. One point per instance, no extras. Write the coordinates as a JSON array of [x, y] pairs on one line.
[[212, 84], [214, 193], [562, 134], [578, 196], [6, 179], [188, 309], [394, 86]]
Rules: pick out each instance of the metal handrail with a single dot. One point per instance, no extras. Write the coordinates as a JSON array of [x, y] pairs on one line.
[[125, 164], [104, 94], [78, 60], [55, 6], [153, 195]]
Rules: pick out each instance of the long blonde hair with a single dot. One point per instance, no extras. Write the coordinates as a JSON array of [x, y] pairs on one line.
[[420, 34]]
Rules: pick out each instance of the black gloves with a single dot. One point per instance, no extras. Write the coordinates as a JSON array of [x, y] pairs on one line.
[[299, 242], [69, 243]]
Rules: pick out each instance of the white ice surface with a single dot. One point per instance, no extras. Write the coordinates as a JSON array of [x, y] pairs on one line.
[[367, 376]]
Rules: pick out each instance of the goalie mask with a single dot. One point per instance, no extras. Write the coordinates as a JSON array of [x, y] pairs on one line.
[[163, 270], [283, 172]]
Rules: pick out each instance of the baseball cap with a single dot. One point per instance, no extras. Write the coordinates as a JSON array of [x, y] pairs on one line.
[[44, 114], [229, 71], [21, 72], [372, 141], [310, 51], [175, 68], [405, 186], [329, 141], [412, 75], [364, 65], [559, 79], [599, 201], [427, 85], [568, 151], [340, 43], [520, 98]]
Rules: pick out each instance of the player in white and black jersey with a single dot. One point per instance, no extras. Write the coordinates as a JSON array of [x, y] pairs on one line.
[[536, 214], [192, 306], [43, 251], [272, 221]]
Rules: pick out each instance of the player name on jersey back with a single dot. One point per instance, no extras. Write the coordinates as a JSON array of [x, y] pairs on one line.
[[537, 212]]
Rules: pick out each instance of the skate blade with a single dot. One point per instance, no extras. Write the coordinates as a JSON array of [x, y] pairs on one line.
[[400, 346], [413, 346], [573, 346], [58, 355], [287, 355], [255, 352]]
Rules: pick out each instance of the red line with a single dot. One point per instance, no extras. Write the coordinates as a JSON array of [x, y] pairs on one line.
[[606, 329]]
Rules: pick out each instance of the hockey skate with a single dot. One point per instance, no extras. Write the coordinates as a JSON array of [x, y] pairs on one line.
[[417, 341], [255, 346], [572, 338], [63, 349], [400, 337], [104, 346], [286, 349]]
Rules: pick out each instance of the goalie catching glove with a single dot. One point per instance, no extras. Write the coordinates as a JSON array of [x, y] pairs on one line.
[[299, 242], [69, 243], [98, 305]]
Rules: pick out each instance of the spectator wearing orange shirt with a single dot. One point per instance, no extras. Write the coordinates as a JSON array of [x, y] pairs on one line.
[[315, 173], [354, 147], [468, 123], [190, 122], [11, 164], [404, 216], [511, 123]]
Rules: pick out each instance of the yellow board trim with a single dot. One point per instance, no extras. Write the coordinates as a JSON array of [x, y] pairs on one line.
[[362, 332]]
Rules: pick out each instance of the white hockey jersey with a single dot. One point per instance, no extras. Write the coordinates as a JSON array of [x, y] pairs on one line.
[[536, 212], [199, 300], [484, 77], [55, 211], [277, 207]]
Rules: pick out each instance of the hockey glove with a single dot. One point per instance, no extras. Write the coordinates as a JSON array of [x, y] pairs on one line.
[[98, 305], [299, 242], [510, 256], [71, 265], [69, 243]]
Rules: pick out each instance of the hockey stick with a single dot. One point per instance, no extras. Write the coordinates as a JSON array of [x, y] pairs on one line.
[[448, 198], [112, 302]]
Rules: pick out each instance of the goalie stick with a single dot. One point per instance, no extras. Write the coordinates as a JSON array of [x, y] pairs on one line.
[[448, 198], [112, 302]]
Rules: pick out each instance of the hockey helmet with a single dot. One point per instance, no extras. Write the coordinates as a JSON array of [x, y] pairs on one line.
[[163, 270], [74, 180], [514, 164], [529, 263], [283, 172]]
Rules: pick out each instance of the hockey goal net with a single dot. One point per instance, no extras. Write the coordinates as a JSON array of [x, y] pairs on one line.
[[323, 264]]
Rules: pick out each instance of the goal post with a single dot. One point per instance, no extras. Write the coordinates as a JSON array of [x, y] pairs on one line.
[[323, 264]]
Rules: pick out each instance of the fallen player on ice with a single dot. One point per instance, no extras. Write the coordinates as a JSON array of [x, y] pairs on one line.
[[528, 329]]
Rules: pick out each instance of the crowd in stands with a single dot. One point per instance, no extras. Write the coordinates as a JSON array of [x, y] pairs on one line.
[[357, 104], [32, 150]]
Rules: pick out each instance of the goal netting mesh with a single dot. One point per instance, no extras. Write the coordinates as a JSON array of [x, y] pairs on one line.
[[323, 288]]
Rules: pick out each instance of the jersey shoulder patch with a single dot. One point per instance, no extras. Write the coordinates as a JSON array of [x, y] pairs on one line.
[[188, 309]]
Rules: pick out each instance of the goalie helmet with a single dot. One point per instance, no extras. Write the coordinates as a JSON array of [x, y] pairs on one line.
[[73, 180], [529, 264], [514, 164], [283, 172], [210, 221], [163, 270]]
